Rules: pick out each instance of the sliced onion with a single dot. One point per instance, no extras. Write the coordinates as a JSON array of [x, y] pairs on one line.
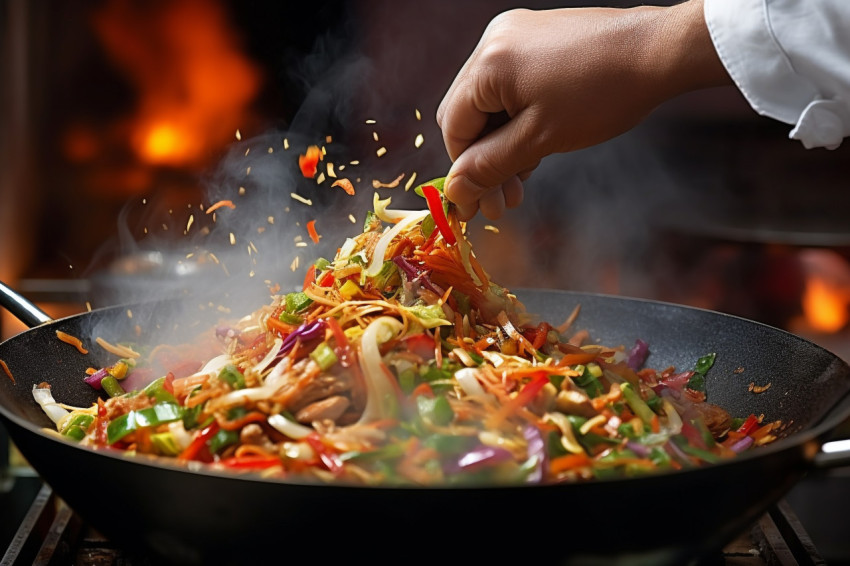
[[290, 428], [95, 378], [640, 449], [742, 444], [536, 451], [386, 214], [638, 354], [674, 420], [214, 365], [264, 363], [381, 399], [305, 332], [238, 397], [380, 251], [51, 408], [467, 378], [480, 457]]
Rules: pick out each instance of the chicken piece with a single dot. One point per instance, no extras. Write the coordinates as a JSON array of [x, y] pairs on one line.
[[717, 419], [330, 408], [573, 402]]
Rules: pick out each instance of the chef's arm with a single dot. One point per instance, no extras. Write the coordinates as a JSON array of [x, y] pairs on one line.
[[563, 79], [571, 78]]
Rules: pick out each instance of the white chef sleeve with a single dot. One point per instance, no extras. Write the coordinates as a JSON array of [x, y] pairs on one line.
[[791, 61]]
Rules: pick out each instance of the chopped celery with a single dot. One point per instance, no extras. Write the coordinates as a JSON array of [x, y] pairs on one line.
[[323, 355]]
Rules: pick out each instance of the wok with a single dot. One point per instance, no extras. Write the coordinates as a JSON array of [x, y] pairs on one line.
[[205, 517]]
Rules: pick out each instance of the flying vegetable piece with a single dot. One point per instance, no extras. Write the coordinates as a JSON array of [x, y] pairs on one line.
[[345, 184], [309, 162]]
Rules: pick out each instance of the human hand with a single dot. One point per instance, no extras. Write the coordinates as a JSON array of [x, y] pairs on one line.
[[566, 79]]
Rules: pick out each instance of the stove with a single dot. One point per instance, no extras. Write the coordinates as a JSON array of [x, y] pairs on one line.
[[51, 533]]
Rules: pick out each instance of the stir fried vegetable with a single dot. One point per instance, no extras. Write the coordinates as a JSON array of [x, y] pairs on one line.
[[401, 362]]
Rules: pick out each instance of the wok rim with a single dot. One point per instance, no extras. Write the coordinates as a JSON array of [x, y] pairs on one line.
[[813, 435]]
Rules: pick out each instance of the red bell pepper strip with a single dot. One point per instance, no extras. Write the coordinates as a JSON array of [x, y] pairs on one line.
[[330, 459], [435, 205], [531, 390], [254, 462], [311, 231], [309, 162], [749, 425], [192, 451], [310, 276], [327, 279]]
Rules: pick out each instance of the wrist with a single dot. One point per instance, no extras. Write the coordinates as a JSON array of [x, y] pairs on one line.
[[676, 53], [682, 50]]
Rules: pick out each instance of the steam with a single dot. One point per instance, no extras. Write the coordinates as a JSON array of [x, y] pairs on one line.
[[224, 265]]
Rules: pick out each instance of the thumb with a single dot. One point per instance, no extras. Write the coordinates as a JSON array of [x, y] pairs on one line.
[[490, 162]]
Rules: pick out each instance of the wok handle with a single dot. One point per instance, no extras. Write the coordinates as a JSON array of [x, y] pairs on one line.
[[23, 309], [834, 454]]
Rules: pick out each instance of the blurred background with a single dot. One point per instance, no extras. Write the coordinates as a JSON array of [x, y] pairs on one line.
[[122, 120]]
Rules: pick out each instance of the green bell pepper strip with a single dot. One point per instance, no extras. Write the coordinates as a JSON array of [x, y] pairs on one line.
[[297, 301], [222, 439], [161, 413], [111, 386], [289, 318], [232, 376], [77, 425], [437, 183], [692, 450], [437, 409], [704, 363], [159, 389]]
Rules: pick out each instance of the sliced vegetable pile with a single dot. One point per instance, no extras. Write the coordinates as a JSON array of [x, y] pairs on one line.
[[400, 362]]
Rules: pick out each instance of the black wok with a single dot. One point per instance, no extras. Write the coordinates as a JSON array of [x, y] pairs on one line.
[[202, 517]]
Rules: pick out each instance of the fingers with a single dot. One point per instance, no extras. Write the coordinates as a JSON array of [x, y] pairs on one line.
[[499, 160], [493, 202]]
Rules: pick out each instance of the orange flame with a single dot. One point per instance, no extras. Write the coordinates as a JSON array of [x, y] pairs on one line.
[[825, 306], [826, 298], [192, 82]]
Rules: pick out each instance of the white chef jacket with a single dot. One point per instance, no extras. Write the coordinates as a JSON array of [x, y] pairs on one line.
[[791, 61]]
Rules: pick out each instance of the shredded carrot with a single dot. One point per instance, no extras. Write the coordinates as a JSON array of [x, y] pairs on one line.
[[574, 359], [7, 370], [656, 426], [564, 326], [568, 462], [345, 184], [763, 430], [311, 230], [183, 384], [252, 450], [72, 340], [281, 327], [118, 350], [238, 423], [391, 185], [228, 203]]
